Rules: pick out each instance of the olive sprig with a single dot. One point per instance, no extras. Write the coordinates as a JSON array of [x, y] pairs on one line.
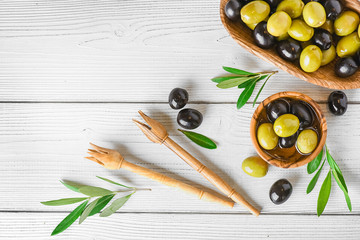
[[245, 80], [326, 186], [84, 210]]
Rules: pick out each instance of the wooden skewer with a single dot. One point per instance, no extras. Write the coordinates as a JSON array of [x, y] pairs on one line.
[[157, 133], [112, 159]]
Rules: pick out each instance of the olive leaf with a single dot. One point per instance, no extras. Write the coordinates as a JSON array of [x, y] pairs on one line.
[[245, 95], [103, 201], [314, 180], [199, 139], [116, 205], [88, 210], [221, 79], [94, 191], [72, 185], [245, 84], [324, 194], [233, 82], [238, 71], [261, 88], [64, 201], [110, 181], [314, 164], [70, 219]]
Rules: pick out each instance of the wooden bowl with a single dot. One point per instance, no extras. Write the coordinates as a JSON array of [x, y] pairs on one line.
[[289, 162], [324, 77]]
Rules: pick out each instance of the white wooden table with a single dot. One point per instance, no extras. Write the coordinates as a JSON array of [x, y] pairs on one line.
[[77, 71]]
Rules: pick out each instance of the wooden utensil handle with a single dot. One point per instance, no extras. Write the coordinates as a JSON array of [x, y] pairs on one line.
[[210, 175], [175, 183]]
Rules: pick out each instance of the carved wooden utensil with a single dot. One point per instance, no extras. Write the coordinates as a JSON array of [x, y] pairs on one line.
[[157, 133], [325, 76], [112, 159]]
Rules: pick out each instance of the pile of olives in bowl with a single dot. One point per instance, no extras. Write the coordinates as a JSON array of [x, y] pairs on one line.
[[311, 34], [288, 129]]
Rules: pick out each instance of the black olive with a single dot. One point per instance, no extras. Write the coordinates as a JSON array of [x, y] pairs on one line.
[[346, 67], [357, 58], [189, 118], [262, 37], [288, 142], [232, 9], [178, 98], [273, 3], [277, 108], [303, 112], [280, 191], [337, 103], [289, 50], [322, 38], [333, 8]]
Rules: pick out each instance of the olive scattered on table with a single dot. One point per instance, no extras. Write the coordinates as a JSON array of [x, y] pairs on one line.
[[280, 191], [254, 166], [307, 141], [337, 103], [277, 108], [266, 136], [262, 37], [286, 125], [289, 50], [346, 67], [189, 118], [178, 98], [303, 112]]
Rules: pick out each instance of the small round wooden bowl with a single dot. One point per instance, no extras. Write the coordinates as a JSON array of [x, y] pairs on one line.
[[285, 163], [324, 76]]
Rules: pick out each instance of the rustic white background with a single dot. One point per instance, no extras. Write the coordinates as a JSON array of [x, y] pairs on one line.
[[77, 71]]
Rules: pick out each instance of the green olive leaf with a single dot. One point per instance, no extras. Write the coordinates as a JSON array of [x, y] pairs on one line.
[[314, 164], [94, 191], [116, 205], [221, 79], [103, 201], [110, 181], [238, 71], [324, 194], [199, 139], [260, 90], [314, 180], [335, 167], [64, 201], [245, 95], [88, 210], [233, 82], [70, 219], [72, 185]]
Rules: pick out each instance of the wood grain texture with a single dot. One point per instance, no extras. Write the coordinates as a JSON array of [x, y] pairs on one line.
[[43, 143], [289, 162], [324, 76], [182, 226], [124, 51]]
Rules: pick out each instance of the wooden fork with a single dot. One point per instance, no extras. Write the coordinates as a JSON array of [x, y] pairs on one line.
[[112, 159]]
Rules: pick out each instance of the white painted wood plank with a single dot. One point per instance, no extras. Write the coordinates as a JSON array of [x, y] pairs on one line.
[[181, 226], [124, 51], [42, 143]]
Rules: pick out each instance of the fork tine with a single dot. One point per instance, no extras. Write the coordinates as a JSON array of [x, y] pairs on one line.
[[146, 130], [96, 155], [100, 149], [94, 160]]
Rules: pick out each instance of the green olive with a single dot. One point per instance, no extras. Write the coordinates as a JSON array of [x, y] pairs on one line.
[[267, 137], [283, 37], [314, 14], [328, 55], [292, 7], [307, 141], [279, 23], [346, 23], [348, 45], [300, 31], [286, 125], [252, 25], [255, 166], [328, 26], [255, 12], [310, 58], [359, 30]]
